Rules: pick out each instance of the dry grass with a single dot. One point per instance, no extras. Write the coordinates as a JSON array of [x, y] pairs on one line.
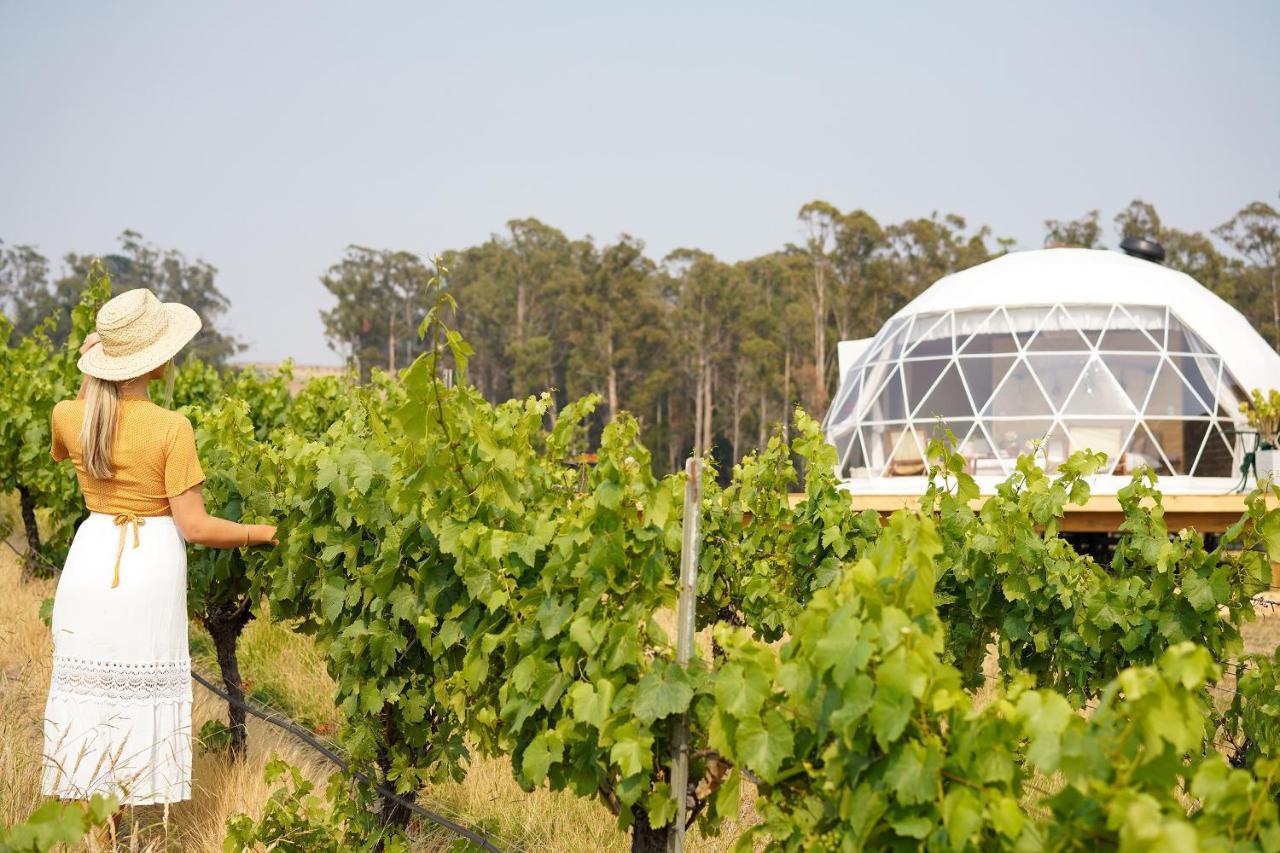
[[25, 650]]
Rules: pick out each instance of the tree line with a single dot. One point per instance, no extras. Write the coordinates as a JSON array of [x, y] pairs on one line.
[[707, 354]]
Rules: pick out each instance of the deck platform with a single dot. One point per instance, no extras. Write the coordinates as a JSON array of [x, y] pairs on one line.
[[1102, 514]]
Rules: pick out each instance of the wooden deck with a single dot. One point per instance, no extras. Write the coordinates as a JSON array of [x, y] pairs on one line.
[[1101, 514]]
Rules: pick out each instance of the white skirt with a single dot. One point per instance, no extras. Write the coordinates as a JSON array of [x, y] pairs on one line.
[[118, 720]]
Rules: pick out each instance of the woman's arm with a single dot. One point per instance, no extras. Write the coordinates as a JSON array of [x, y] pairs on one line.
[[200, 528]]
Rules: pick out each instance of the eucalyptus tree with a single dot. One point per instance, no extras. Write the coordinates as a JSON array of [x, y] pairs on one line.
[[24, 287], [381, 297], [617, 322], [32, 294], [1190, 252], [1254, 232], [821, 221], [1082, 233], [703, 293], [173, 277], [781, 280]]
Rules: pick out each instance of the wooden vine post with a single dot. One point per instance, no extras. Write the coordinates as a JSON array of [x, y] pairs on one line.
[[690, 541]]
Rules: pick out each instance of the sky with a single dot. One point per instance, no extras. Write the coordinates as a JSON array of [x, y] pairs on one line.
[[266, 137]]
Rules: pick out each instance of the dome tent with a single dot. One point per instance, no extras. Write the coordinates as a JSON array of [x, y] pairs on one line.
[[1060, 349]]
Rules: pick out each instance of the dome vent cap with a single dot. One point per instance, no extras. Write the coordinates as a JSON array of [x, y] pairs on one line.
[[1141, 247]]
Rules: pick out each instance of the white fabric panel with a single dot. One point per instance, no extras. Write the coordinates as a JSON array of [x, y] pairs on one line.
[[847, 353], [118, 719]]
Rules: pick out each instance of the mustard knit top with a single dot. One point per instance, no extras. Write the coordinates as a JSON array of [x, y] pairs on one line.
[[154, 457]]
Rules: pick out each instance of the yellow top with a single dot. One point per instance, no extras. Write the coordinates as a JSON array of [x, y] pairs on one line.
[[154, 457]]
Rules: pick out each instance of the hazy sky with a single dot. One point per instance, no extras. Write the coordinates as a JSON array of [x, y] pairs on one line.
[[265, 137]]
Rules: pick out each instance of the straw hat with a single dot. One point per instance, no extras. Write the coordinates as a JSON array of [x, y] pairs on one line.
[[139, 333]]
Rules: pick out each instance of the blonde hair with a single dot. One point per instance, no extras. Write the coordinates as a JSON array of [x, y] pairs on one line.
[[101, 414], [98, 433], [170, 376]]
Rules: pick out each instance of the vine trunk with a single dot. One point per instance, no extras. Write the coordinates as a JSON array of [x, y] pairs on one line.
[[393, 813], [644, 837], [30, 568], [224, 624]]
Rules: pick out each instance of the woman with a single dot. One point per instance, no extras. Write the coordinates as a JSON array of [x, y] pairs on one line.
[[118, 719]]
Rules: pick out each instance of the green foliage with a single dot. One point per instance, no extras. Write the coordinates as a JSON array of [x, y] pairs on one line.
[[57, 823], [461, 578], [1127, 770], [856, 729], [1252, 722], [235, 480], [195, 383], [762, 558], [354, 570], [297, 819], [1008, 576], [318, 404], [569, 656], [1263, 414], [35, 373], [861, 736], [214, 736]]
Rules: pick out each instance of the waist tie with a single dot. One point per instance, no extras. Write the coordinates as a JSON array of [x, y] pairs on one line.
[[122, 521]]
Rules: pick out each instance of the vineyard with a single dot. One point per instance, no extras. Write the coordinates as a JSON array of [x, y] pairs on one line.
[[498, 580]]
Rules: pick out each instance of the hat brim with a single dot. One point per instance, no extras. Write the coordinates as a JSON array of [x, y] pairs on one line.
[[182, 327]]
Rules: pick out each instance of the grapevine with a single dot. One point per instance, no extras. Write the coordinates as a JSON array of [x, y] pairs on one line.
[[473, 592]]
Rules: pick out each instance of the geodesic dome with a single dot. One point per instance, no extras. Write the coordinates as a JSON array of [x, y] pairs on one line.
[[1060, 350]]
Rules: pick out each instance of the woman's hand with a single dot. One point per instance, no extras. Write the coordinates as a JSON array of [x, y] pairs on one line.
[[263, 534], [90, 341]]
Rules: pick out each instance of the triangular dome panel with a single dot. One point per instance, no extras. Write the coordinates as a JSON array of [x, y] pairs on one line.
[[1135, 373], [1059, 373], [1171, 397], [1012, 438], [1142, 451], [1125, 334], [939, 340], [1026, 321], [855, 457], [907, 458], [1098, 393], [948, 399], [1217, 458], [1018, 396], [994, 335], [1200, 372], [1179, 338], [1089, 323], [1058, 334], [920, 376], [927, 327], [1101, 435], [983, 375]]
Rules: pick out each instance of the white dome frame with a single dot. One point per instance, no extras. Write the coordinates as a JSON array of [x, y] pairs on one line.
[[1074, 347]]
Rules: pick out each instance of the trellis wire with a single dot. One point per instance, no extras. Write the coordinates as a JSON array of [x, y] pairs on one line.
[[306, 737]]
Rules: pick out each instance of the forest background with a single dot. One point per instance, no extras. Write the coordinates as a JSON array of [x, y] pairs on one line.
[[708, 355]]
